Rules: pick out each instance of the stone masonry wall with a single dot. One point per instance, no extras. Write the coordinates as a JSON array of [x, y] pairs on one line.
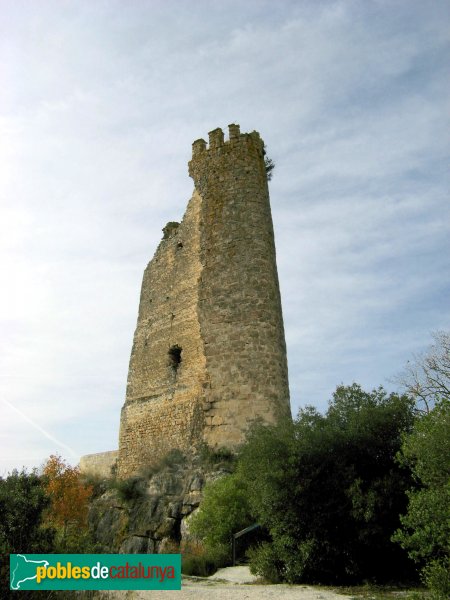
[[100, 464], [162, 408], [240, 308], [209, 354]]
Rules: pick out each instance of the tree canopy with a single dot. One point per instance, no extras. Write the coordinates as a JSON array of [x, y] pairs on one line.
[[426, 524], [69, 504], [22, 502], [327, 488]]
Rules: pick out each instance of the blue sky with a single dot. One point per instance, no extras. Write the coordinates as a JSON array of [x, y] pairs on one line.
[[100, 103]]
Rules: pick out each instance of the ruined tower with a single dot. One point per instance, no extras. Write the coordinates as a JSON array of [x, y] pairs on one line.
[[209, 354]]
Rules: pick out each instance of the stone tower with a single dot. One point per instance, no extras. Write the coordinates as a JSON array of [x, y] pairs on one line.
[[209, 354]]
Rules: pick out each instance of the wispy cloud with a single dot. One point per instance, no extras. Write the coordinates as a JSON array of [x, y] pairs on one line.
[[41, 430], [99, 107]]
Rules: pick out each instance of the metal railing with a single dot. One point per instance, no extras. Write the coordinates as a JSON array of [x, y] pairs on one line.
[[240, 534]]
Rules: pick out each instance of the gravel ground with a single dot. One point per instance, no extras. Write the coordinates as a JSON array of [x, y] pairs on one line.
[[229, 584]]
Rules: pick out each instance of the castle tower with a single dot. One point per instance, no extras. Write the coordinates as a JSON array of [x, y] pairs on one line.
[[209, 354]]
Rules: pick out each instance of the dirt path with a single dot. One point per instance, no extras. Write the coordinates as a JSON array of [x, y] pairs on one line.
[[229, 584], [230, 591]]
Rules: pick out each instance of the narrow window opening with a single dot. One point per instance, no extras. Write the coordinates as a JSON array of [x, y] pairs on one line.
[[175, 356], [180, 245]]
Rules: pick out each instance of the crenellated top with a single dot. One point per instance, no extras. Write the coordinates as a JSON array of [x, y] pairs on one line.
[[216, 140]]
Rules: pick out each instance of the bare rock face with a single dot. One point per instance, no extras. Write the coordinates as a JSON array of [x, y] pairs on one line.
[[151, 514]]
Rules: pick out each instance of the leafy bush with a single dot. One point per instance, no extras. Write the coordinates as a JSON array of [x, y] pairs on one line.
[[172, 459], [210, 457], [69, 496], [200, 566], [425, 531], [436, 575], [198, 561], [67, 513], [99, 485], [269, 165], [264, 562], [23, 501], [224, 511], [329, 490], [129, 489], [22, 504]]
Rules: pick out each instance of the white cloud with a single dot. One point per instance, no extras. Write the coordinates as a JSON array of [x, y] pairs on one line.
[[100, 106]]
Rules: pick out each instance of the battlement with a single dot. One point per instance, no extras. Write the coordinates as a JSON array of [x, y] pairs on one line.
[[217, 141]]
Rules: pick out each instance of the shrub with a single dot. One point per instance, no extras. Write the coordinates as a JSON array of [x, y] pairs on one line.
[[198, 561], [425, 531], [200, 566], [436, 576], [224, 511], [22, 505], [329, 490], [265, 563], [23, 501], [210, 457], [129, 489], [173, 458], [98, 484]]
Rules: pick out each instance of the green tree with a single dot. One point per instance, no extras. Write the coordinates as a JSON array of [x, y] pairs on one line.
[[224, 511], [426, 525], [329, 490], [22, 504]]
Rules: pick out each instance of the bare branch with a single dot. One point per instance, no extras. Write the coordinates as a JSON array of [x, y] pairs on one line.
[[427, 377]]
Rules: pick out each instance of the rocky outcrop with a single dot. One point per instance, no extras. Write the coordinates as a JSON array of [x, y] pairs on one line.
[[150, 514]]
